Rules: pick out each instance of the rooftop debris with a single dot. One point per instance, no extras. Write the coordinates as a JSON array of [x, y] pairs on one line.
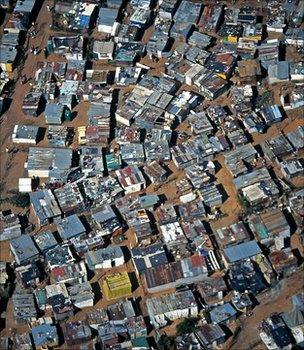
[[151, 162]]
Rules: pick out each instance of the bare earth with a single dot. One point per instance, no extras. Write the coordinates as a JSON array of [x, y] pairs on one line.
[[11, 169]]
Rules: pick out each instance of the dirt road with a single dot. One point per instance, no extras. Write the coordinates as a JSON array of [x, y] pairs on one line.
[[276, 300]]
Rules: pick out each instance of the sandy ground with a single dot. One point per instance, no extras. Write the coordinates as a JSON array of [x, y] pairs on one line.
[[11, 169], [276, 300], [11, 164]]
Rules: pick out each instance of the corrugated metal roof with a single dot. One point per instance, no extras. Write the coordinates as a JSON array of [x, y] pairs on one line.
[[242, 251], [222, 313], [107, 16]]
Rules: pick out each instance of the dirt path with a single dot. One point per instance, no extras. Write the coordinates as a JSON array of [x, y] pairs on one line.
[[13, 164], [276, 300], [11, 169]]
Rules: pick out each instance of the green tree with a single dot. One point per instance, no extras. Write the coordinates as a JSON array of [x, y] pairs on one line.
[[165, 342], [5, 293], [188, 325], [243, 201], [21, 200]]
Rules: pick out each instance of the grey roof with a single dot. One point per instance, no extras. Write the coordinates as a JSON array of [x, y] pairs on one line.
[[45, 205], [103, 213], [53, 109], [241, 152], [222, 313], [76, 332], [70, 227], [278, 71], [25, 6], [69, 198], [293, 318], [296, 137], [22, 340], [121, 310], [160, 99], [277, 147], [59, 255], [7, 54], [209, 333], [283, 70], [199, 39], [292, 167], [132, 153], [26, 132], [294, 34], [10, 226], [98, 256], [109, 330], [91, 160], [187, 12], [127, 75], [68, 87], [54, 113], [187, 341], [107, 16], [211, 195], [160, 305], [114, 3], [99, 109], [140, 3], [248, 179], [41, 158], [75, 66], [242, 251], [103, 48], [81, 292], [150, 256], [24, 305], [44, 334], [102, 190], [24, 249], [157, 42], [298, 299], [164, 84], [200, 123], [10, 38], [156, 135], [139, 17], [148, 200], [271, 114], [157, 150], [45, 240]]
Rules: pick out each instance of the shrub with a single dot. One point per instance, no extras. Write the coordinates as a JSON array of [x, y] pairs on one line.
[[188, 325], [21, 200]]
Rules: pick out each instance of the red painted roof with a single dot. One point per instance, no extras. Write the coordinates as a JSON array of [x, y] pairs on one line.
[[197, 260]]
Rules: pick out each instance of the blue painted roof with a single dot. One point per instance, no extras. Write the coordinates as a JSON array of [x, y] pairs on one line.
[[154, 254], [298, 301], [222, 313], [242, 251], [70, 227], [84, 21], [44, 334], [148, 200], [24, 248]]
